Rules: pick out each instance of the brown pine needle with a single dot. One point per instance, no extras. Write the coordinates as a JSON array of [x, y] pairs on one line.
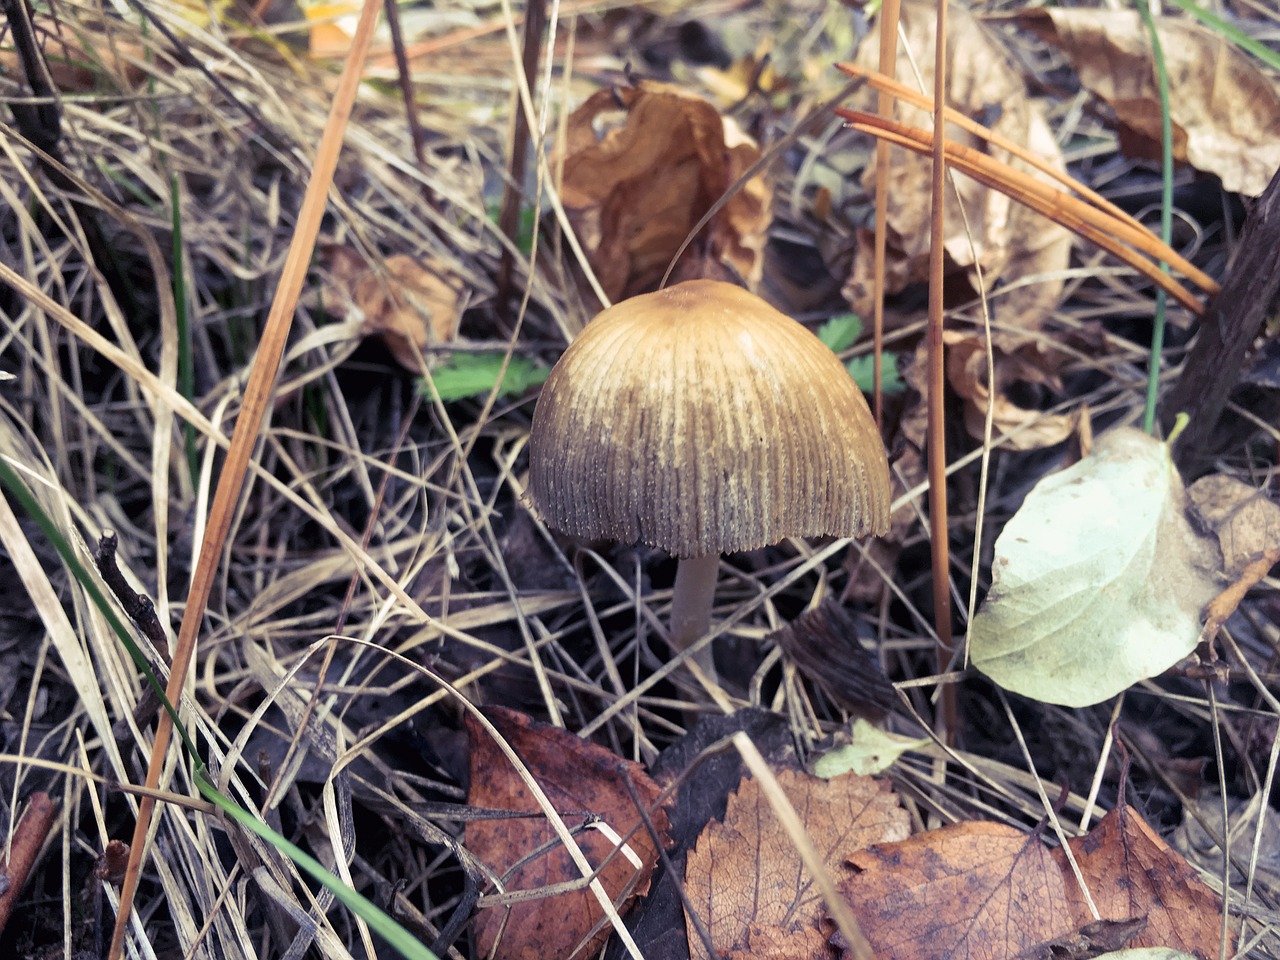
[[1102, 228], [882, 83]]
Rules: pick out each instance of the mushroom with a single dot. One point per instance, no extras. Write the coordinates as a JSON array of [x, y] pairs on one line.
[[702, 421]]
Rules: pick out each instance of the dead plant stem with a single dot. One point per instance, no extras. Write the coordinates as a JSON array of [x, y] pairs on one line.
[[948, 716], [889, 15], [257, 396]]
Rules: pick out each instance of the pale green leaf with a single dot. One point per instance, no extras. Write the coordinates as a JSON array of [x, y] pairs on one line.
[[862, 370], [1147, 953], [841, 332], [1098, 581], [871, 751], [474, 374]]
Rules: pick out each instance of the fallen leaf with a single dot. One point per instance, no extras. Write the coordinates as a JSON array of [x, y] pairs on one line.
[[1147, 953], [745, 875], [869, 751], [1200, 843], [641, 166], [1010, 242], [474, 374], [977, 890], [403, 300], [1131, 872], [1097, 581], [83, 61], [1092, 940], [966, 360], [333, 25], [1225, 112], [703, 776], [585, 783], [1245, 521], [824, 645]]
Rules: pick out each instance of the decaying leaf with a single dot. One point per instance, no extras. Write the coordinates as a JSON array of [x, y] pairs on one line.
[[1028, 363], [1098, 580], [745, 876], [406, 302], [869, 751], [1010, 242], [967, 890], [642, 165], [582, 781], [1225, 112], [1131, 872], [1199, 835], [1245, 521], [83, 61], [824, 645]]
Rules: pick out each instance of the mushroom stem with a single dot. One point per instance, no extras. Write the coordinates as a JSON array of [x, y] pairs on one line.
[[691, 598]]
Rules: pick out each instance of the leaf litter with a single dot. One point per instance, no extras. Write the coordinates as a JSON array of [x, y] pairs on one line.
[[443, 532]]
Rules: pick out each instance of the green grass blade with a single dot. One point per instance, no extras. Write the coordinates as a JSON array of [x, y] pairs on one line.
[[1166, 213], [386, 927], [1231, 32], [186, 368], [380, 922]]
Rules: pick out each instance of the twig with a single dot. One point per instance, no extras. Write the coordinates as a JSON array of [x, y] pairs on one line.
[[535, 22], [948, 720], [24, 846], [1231, 322], [142, 611]]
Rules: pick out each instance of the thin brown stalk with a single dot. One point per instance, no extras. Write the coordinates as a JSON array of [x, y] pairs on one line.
[[535, 24], [24, 845], [405, 81], [936, 440], [257, 396], [889, 15], [1101, 228]]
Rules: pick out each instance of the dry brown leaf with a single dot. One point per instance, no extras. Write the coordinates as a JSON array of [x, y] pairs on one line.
[[967, 373], [1131, 872], [745, 875], [1225, 112], [406, 302], [772, 943], [83, 62], [582, 781], [1011, 242], [967, 890], [1246, 522], [641, 166]]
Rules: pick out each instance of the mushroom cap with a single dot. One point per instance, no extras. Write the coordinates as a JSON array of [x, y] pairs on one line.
[[700, 420]]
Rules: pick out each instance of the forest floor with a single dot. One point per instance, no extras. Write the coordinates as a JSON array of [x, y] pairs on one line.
[[390, 615]]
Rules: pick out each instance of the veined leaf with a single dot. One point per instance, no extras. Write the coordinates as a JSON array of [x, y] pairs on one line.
[[1098, 580]]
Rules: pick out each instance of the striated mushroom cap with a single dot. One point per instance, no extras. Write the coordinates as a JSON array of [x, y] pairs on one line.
[[700, 420]]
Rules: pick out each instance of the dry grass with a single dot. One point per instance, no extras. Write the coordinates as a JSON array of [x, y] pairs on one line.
[[378, 521]]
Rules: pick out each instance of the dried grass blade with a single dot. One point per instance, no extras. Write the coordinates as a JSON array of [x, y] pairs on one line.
[[257, 396]]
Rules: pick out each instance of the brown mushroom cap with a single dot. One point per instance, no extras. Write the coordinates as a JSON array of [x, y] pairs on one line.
[[701, 420]]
